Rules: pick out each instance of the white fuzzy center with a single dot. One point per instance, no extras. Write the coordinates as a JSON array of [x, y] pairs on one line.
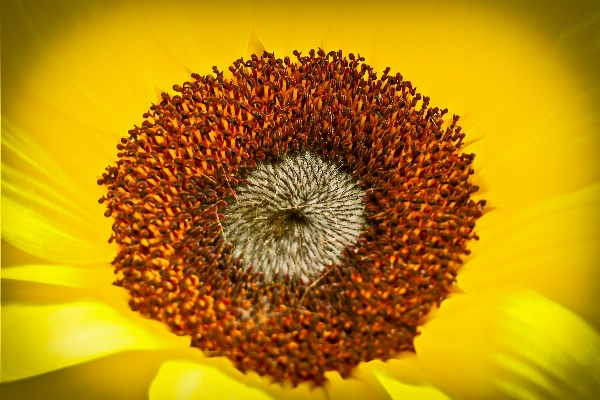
[[295, 217]]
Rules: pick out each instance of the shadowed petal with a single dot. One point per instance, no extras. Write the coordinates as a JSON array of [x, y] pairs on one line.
[[121, 376], [515, 344], [551, 248], [45, 337]]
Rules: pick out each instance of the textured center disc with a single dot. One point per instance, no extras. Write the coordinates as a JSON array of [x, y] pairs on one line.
[[294, 217], [236, 189]]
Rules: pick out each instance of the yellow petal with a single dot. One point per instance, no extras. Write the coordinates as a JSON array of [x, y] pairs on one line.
[[63, 285], [57, 283], [400, 391], [90, 277], [12, 255], [38, 338], [546, 154], [301, 26], [362, 384], [121, 376], [193, 363], [516, 344], [115, 60], [552, 248], [45, 212], [188, 380], [192, 379], [550, 351], [404, 378]]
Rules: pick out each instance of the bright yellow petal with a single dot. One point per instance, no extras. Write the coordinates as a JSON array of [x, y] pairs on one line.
[[551, 248], [56, 283], [47, 327], [89, 277], [404, 378], [551, 153], [515, 343], [44, 212], [361, 385], [400, 391], [198, 378], [188, 380]]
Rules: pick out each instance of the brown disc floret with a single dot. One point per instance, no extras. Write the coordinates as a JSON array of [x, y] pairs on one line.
[[177, 173]]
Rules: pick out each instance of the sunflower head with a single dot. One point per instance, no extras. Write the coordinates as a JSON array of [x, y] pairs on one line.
[[297, 218]]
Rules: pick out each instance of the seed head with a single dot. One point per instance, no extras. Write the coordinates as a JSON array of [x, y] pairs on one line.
[[239, 226]]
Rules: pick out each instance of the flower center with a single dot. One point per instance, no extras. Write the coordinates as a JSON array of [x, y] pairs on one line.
[[295, 217], [239, 226]]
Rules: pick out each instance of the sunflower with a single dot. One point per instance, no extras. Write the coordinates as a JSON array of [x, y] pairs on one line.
[[521, 320]]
